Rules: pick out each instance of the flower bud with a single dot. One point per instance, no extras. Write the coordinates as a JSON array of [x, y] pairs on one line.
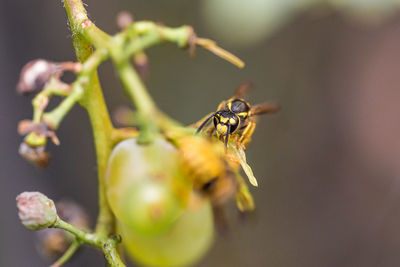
[[124, 116], [35, 74], [36, 211], [124, 19]]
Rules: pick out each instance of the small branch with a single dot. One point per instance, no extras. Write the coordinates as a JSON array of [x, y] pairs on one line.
[[82, 236], [153, 33], [212, 46], [41, 100], [110, 251], [137, 92], [57, 115], [68, 254], [78, 88], [107, 244]]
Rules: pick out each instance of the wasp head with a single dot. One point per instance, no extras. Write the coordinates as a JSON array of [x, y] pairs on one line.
[[226, 122]]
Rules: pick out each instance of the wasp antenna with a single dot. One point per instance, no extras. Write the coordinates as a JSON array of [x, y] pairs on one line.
[[205, 122]]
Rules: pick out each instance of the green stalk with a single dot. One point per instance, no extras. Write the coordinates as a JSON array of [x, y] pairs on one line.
[[94, 103], [107, 244]]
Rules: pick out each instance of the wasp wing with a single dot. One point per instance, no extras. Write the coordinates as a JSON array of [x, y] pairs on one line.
[[267, 107], [242, 90]]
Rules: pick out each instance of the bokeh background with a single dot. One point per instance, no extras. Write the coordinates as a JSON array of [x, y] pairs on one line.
[[328, 164]]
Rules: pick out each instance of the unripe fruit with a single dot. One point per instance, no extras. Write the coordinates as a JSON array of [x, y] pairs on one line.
[[148, 194], [143, 183], [184, 243]]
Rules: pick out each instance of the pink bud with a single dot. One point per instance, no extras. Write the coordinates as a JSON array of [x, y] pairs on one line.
[[124, 19], [36, 211]]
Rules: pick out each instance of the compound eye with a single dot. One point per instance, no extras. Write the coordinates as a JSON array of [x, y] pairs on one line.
[[239, 106]]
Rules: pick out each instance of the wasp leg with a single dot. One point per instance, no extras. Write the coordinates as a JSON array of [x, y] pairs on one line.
[[220, 220], [236, 138], [245, 137]]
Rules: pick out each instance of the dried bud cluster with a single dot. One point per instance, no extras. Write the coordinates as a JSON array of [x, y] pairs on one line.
[[38, 75], [34, 145], [36, 211], [34, 154], [35, 74], [42, 129]]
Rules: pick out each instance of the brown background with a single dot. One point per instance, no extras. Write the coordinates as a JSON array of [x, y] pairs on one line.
[[327, 164]]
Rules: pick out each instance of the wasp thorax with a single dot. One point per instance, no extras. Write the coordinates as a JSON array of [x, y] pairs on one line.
[[239, 107]]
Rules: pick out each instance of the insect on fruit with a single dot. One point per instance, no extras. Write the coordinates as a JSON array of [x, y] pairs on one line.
[[204, 162], [147, 192], [236, 117], [212, 175]]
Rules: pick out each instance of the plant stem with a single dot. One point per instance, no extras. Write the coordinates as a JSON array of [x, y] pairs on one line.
[[55, 116], [82, 26], [111, 252], [89, 238], [94, 103], [138, 94], [107, 244]]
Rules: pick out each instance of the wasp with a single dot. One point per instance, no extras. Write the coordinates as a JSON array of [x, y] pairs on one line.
[[213, 175], [205, 164], [236, 117]]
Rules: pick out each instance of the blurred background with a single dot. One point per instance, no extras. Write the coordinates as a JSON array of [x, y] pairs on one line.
[[327, 164]]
